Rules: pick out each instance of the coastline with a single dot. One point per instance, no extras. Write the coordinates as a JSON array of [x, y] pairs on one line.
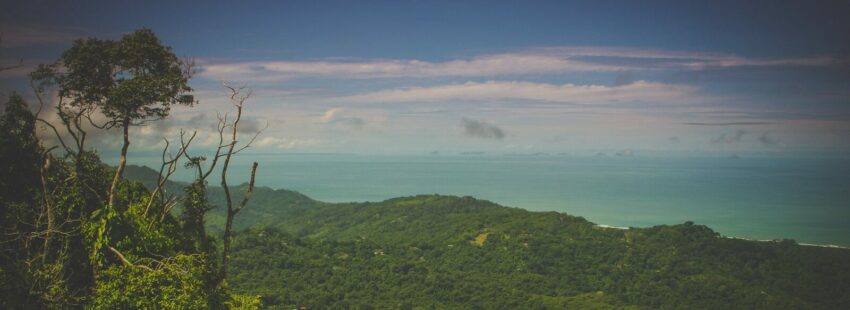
[[832, 246]]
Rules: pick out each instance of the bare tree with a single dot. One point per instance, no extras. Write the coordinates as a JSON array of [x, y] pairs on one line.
[[238, 101], [228, 146]]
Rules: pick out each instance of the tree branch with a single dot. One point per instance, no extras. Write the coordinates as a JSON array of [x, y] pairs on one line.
[[171, 164], [127, 262], [250, 190]]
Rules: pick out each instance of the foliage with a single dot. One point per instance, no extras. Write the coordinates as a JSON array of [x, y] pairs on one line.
[[19, 197], [135, 78], [18, 144], [268, 206], [420, 252], [243, 302], [173, 283], [71, 238]]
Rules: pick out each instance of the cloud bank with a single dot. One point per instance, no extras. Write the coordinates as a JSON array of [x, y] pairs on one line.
[[518, 90], [555, 60]]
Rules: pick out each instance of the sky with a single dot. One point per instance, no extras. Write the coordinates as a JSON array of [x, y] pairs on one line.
[[499, 77]]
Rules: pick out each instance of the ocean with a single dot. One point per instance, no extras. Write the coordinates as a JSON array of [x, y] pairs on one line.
[[762, 197]]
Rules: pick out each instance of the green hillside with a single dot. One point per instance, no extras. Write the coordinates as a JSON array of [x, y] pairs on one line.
[[435, 251], [267, 205], [460, 252]]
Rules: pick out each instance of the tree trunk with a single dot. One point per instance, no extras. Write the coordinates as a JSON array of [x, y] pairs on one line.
[[231, 213], [225, 253], [122, 161]]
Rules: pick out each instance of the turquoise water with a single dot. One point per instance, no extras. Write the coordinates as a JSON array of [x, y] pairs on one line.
[[806, 199]]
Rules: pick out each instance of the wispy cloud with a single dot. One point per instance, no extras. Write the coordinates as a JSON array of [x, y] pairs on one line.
[[490, 65], [286, 143], [481, 129], [726, 123], [530, 62], [659, 58], [330, 115], [347, 119], [21, 35], [517, 90]]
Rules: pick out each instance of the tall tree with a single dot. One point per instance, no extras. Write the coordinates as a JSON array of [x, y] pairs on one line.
[[73, 232], [130, 81]]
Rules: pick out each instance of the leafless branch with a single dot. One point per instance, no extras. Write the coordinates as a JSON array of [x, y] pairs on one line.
[[167, 206], [169, 166], [238, 100], [250, 190], [38, 95], [257, 134], [106, 125], [189, 68], [127, 262]]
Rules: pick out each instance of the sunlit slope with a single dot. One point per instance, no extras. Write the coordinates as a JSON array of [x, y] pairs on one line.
[[460, 252]]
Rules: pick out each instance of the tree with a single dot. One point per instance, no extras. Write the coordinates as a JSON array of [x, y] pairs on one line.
[[20, 156], [73, 232], [197, 205], [238, 100], [18, 144], [130, 82]]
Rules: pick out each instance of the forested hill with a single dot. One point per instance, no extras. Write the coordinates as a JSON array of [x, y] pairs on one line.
[[462, 253], [267, 205], [459, 252]]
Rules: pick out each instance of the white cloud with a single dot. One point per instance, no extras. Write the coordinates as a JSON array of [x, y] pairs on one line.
[[536, 61], [516, 90], [352, 119], [490, 65], [285, 143], [330, 115], [659, 59]]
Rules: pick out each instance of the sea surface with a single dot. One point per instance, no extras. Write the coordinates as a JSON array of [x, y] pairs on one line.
[[761, 197]]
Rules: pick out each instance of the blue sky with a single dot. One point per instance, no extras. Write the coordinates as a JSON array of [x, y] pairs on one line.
[[413, 77]]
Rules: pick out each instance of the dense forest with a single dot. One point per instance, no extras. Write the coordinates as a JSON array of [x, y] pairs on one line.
[[435, 251], [459, 252], [77, 233]]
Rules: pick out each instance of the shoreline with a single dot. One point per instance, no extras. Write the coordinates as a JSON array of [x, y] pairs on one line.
[[831, 246]]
